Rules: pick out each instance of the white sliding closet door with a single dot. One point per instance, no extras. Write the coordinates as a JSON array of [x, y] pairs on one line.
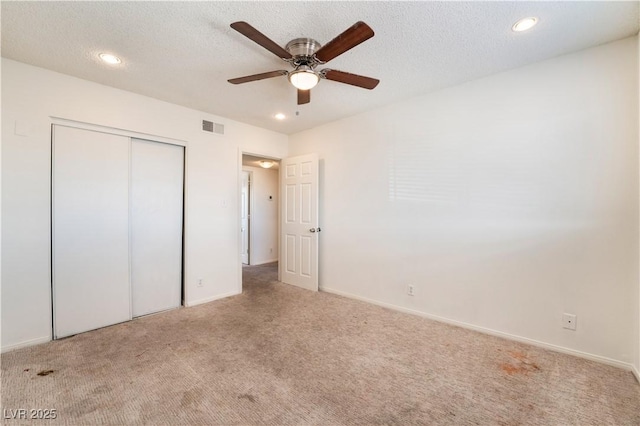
[[90, 206], [156, 226]]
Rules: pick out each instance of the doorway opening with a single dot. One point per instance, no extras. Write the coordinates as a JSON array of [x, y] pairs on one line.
[[259, 214]]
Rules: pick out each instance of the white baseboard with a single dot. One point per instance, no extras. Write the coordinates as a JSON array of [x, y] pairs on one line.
[[636, 372], [46, 339], [31, 342], [561, 349], [264, 262], [210, 299]]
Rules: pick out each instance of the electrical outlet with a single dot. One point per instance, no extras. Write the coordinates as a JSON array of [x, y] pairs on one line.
[[200, 282], [410, 291], [569, 321]]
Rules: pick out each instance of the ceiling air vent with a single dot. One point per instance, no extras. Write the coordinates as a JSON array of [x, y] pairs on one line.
[[210, 126]]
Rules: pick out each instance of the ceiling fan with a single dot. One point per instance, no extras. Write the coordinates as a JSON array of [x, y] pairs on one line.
[[305, 54]]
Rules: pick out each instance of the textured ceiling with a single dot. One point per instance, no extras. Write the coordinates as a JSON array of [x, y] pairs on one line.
[[184, 52]]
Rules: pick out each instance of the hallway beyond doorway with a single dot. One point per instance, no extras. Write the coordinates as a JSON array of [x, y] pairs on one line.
[[259, 276]]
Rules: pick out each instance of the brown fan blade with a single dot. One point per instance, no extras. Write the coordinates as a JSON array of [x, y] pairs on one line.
[[264, 41], [304, 96], [349, 39], [255, 77], [352, 79]]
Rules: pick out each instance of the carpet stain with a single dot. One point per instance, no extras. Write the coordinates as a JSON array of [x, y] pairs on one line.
[[101, 389], [250, 397], [520, 364], [82, 407], [191, 397], [45, 372], [521, 356], [510, 369]]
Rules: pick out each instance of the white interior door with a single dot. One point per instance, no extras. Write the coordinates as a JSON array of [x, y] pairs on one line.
[[244, 216], [157, 171], [90, 206], [299, 230]]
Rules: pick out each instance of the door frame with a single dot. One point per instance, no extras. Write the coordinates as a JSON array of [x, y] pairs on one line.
[[242, 152], [249, 206]]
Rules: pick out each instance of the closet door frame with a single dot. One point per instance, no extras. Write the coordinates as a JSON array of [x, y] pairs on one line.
[[60, 121]]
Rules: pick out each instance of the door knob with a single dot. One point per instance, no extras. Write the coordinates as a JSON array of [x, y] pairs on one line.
[[312, 230]]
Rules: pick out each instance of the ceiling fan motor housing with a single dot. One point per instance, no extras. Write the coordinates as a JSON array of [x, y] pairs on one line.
[[302, 50]]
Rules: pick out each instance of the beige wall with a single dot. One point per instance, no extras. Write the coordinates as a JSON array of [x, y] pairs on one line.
[[264, 215], [30, 97], [505, 202]]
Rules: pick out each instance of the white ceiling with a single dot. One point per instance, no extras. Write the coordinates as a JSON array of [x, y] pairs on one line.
[[184, 52]]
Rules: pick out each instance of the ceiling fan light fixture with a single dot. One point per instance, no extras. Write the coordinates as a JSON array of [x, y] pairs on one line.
[[524, 24], [266, 164], [304, 78]]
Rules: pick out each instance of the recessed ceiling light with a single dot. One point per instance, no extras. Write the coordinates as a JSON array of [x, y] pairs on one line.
[[524, 24], [109, 58], [280, 116]]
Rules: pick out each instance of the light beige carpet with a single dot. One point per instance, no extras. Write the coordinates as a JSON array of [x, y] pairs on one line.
[[281, 355]]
